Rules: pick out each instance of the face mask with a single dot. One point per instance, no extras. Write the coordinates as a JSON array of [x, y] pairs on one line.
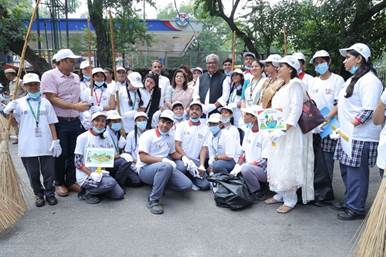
[[141, 125], [353, 69], [321, 68], [195, 119], [35, 95], [179, 117], [248, 67], [116, 126], [163, 133], [98, 130], [214, 129], [86, 78], [225, 119], [99, 83], [249, 125]]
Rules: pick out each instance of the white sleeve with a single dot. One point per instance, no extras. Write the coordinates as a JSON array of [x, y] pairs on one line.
[[296, 103], [145, 142], [370, 90], [81, 142], [339, 85], [129, 142], [179, 132], [231, 145], [196, 94], [51, 115], [226, 88]]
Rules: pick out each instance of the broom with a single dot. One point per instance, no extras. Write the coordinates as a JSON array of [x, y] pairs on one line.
[[89, 54], [372, 242], [12, 202]]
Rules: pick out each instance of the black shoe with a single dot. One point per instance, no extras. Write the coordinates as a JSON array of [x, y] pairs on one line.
[[39, 201], [51, 200], [348, 214], [321, 203], [259, 195], [89, 198], [155, 207], [338, 206]]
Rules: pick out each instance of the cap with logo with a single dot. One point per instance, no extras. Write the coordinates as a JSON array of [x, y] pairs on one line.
[[361, 48]]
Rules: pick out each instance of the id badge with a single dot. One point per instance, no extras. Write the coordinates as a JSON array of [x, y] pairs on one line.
[[38, 132], [250, 102]]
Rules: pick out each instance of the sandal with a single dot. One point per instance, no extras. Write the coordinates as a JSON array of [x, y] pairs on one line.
[[271, 201], [284, 209]]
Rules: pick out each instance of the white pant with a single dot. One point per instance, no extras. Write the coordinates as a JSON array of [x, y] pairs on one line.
[[289, 198]]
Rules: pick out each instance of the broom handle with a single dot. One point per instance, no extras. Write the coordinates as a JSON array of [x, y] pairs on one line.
[[113, 58], [89, 53], [233, 50], [22, 56]]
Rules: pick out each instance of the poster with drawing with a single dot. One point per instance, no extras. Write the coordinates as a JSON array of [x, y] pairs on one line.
[[271, 120], [100, 157]]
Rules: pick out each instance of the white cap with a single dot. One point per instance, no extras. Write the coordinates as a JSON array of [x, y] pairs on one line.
[[9, 70], [30, 77], [227, 107], [177, 103], [250, 110], [214, 118], [97, 114], [238, 71], [120, 68], [113, 115], [197, 68], [84, 64], [196, 103], [361, 48], [245, 54], [140, 114], [320, 53], [135, 79], [65, 53], [96, 70], [167, 114], [291, 61], [54, 58], [299, 56], [272, 58]]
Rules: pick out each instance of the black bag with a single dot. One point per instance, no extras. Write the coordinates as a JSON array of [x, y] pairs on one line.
[[310, 117], [230, 191]]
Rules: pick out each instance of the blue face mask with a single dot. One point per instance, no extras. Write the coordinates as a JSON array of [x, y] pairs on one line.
[[116, 126], [321, 68], [225, 120], [99, 84], [141, 125], [35, 95], [86, 78], [249, 125], [179, 117], [353, 69], [98, 130], [214, 129], [195, 119]]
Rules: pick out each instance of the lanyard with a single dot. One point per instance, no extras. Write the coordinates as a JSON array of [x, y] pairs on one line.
[[115, 144], [253, 86], [135, 98], [37, 115], [98, 101]]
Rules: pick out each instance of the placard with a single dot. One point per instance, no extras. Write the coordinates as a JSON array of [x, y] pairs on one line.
[[100, 157]]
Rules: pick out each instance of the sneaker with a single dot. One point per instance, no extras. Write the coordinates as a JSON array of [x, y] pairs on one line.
[[155, 207], [195, 188], [89, 198], [39, 201], [348, 214], [51, 200]]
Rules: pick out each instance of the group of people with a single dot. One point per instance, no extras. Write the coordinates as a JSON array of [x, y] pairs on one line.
[[176, 134]]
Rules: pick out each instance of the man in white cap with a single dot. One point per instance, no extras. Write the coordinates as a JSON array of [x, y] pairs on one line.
[[248, 58], [305, 77], [191, 137], [10, 74], [273, 83], [155, 163], [196, 74], [38, 142], [62, 88], [163, 82]]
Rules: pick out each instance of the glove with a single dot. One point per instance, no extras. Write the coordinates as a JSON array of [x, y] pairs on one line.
[[236, 170], [170, 162], [211, 161], [121, 142], [55, 148], [127, 157], [105, 172], [11, 106], [96, 108], [96, 176], [186, 161], [276, 135], [334, 134], [192, 168]]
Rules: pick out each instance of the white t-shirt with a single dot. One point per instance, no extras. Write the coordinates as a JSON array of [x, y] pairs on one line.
[[366, 94], [128, 111], [255, 146], [132, 145], [30, 145], [164, 85], [307, 80], [192, 138], [324, 92], [88, 140], [226, 142], [155, 144], [381, 157]]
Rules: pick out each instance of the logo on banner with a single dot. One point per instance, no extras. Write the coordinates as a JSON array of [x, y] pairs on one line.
[[182, 19]]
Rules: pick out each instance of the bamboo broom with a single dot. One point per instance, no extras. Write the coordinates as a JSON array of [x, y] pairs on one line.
[[89, 54], [372, 241], [12, 202]]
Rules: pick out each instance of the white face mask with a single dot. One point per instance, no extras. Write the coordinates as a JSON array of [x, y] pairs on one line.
[[225, 119]]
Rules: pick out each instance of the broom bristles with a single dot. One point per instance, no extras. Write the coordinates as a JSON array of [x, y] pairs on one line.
[[373, 234], [10, 213]]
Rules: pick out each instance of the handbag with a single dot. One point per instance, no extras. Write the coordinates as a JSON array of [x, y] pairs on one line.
[[310, 117]]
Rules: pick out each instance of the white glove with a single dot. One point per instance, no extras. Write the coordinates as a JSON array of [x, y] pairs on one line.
[[105, 172], [121, 142], [127, 157], [55, 148], [334, 134], [211, 161], [236, 170], [192, 167], [11, 106], [96, 176], [276, 135], [170, 162], [96, 108], [186, 161]]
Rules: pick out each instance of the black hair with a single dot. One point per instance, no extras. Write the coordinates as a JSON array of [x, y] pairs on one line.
[[302, 62], [259, 63], [365, 67], [178, 104], [153, 105], [187, 70], [185, 84], [294, 73], [227, 60], [131, 103]]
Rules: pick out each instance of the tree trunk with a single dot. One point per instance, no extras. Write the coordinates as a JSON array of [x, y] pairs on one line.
[[95, 9]]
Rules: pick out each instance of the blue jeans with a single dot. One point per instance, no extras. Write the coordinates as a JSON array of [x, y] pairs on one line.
[[223, 166], [67, 131], [108, 187]]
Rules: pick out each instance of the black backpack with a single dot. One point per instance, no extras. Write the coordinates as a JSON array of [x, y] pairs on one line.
[[231, 191]]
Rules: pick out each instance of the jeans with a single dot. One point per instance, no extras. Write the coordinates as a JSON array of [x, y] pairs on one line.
[[108, 186], [201, 183], [253, 175], [223, 166]]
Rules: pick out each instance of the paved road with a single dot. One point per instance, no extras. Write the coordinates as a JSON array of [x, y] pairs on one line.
[[191, 226]]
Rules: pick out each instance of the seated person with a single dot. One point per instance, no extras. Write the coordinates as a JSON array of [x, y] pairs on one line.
[[155, 168]]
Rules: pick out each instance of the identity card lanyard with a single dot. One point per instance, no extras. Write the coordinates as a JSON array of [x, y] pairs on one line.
[[38, 132], [98, 101]]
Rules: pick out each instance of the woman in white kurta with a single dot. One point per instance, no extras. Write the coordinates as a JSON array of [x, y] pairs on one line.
[[252, 88], [379, 119], [286, 167]]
